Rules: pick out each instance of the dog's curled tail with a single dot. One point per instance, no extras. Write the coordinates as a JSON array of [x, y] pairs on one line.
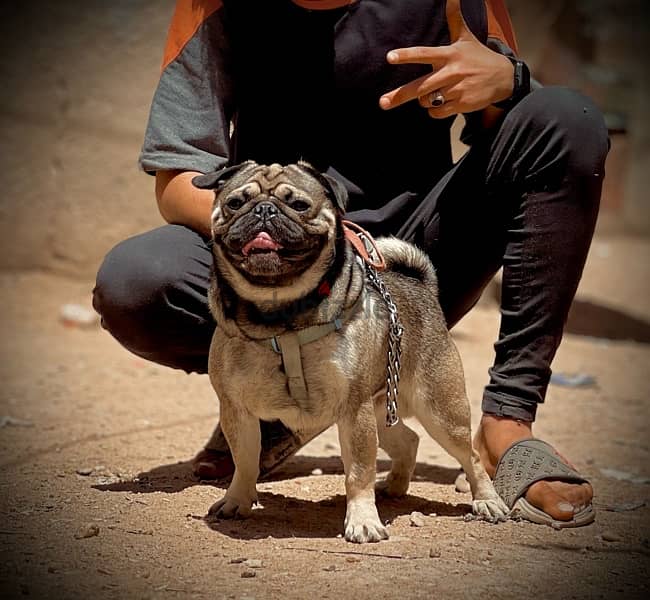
[[407, 259]]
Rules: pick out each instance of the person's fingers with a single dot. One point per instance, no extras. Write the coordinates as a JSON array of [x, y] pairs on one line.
[[453, 102], [448, 109], [442, 94], [416, 88], [458, 28], [426, 55]]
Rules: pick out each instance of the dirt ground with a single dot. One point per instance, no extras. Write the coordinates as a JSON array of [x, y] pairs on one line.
[[95, 442]]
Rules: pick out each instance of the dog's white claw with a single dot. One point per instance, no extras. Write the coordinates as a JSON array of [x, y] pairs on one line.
[[493, 509], [231, 508]]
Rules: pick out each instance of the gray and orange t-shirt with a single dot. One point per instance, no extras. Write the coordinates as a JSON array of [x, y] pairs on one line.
[[301, 79]]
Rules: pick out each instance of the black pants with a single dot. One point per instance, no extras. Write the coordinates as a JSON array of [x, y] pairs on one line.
[[526, 200]]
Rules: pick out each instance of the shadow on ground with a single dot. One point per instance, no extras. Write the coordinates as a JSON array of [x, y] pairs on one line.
[[595, 320], [176, 477], [592, 319], [284, 516]]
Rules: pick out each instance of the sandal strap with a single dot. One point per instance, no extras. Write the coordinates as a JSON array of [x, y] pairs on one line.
[[526, 462]]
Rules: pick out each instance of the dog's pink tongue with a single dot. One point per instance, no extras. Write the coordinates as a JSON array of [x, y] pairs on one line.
[[263, 241]]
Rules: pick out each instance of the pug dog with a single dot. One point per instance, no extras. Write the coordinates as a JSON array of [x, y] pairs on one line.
[[284, 269]]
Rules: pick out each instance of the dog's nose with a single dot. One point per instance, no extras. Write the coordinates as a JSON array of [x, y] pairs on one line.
[[266, 210]]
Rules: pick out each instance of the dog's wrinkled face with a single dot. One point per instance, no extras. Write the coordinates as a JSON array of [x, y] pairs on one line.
[[272, 224]]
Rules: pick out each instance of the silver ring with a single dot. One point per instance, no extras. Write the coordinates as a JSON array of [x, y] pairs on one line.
[[436, 98]]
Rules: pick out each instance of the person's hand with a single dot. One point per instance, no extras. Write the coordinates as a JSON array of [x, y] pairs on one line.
[[468, 74]]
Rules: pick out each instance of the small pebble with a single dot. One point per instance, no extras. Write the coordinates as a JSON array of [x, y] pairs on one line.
[[461, 484], [416, 519], [236, 561], [317, 471], [84, 471], [248, 574], [76, 315], [353, 559], [330, 568], [434, 552], [610, 536], [490, 552], [87, 532], [253, 563], [7, 420]]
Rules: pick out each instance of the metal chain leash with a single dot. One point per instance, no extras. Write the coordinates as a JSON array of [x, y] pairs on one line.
[[395, 331]]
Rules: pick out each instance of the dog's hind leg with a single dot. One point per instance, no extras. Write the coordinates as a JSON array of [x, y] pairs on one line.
[[450, 427], [401, 444], [242, 431], [358, 439]]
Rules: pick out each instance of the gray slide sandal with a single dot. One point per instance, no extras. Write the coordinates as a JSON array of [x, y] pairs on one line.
[[529, 461]]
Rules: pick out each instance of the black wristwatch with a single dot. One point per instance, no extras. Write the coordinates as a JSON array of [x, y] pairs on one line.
[[521, 85]]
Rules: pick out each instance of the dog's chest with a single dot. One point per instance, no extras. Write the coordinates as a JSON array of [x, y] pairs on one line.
[[252, 375]]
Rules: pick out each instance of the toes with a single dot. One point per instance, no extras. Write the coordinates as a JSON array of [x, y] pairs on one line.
[[230, 509], [215, 509], [366, 533], [543, 495], [492, 509]]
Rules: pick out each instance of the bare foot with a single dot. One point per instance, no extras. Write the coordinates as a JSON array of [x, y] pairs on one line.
[[556, 498]]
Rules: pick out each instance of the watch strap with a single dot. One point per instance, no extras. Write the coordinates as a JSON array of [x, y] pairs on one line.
[[521, 84]]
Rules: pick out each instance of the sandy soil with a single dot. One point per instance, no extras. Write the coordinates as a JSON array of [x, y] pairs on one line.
[[97, 442]]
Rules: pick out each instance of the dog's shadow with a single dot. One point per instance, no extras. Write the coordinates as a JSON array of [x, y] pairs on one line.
[[178, 476], [283, 516]]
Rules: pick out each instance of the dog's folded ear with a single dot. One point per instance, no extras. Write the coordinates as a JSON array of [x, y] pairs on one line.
[[216, 179], [336, 190]]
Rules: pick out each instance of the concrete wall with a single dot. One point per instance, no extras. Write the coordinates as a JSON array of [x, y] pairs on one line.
[[77, 80]]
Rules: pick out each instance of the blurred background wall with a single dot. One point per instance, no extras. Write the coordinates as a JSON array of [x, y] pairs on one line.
[[78, 77]]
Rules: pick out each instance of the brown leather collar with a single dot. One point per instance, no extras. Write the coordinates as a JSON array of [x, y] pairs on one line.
[[352, 231]]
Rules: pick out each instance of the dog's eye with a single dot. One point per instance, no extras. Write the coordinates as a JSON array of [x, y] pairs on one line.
[[235, 203], [299, 205]]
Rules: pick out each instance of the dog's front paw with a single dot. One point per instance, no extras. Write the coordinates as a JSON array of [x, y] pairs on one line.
[[362, 525], [493, 509], [232, 508]]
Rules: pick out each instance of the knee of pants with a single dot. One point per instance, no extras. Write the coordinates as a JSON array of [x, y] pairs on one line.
[[567, 127], [130, 294]]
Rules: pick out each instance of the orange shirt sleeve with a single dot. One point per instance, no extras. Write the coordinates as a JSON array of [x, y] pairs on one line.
[[188, 16], [499, 23]]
